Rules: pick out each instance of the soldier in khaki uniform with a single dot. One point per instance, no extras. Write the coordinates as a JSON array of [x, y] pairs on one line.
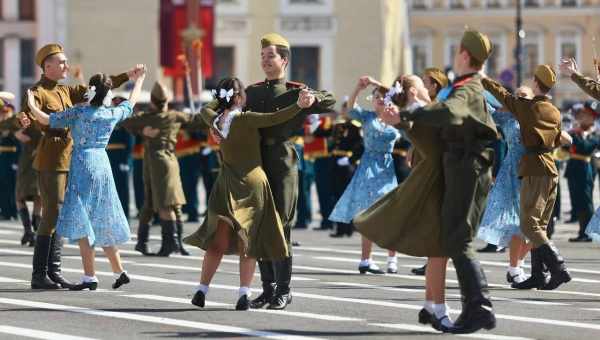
[[52, 160], [540, 132], [163, 192], [467, 130], [280, 161]]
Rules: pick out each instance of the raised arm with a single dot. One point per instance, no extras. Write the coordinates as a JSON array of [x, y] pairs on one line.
[[263, 120], [510, 102], [32, 102], [77, 92], [568, 67]]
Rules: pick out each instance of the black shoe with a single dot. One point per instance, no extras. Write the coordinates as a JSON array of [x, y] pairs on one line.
[[122, 280], [84, 285], [142, 247], [300, 226], [199, 299], [419, 271], [28, 237], [280, 301], [511, 278], [242, 303], [538, 278], [425, 317], [143, 234], [373, 269], [54, 262], [323, 228], [337, 235], [556, 265], [473, 318], [491, 248], [438, 324], [262, 300], [581, 239]]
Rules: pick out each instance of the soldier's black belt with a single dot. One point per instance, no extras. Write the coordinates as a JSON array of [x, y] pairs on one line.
[[537, 150]]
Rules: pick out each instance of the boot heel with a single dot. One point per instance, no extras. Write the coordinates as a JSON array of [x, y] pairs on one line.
[[85, 285]]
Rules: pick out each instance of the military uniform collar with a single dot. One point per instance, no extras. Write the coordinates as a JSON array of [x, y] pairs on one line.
[[464, 76], [541, 97], [47, 82], [273, 82]]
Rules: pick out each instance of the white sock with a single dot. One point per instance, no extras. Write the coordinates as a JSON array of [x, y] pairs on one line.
[[202, 288], [118, 275], [392, 259], [514, 270], [428, 306], [521, 263], [439, 311], [244, 291], [86, 278], [365, 263]]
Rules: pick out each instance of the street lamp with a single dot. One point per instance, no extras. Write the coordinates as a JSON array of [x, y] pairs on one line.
[[520, 35]]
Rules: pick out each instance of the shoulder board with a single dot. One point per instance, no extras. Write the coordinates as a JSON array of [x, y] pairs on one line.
[[257, 84], [356, 123], [294, 85]]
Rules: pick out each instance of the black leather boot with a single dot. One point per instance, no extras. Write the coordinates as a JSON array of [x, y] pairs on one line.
[[169, 239], [35, 222], [283, 277], [143, 234], [39, 277], [182, 250], [538, 278], [267, 276], [54, 263], [477, 310], [419, 271], [28, 235], [556, 265]]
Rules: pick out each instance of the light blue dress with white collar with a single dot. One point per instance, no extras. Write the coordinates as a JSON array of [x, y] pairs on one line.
[[375, 175], [92, 207]]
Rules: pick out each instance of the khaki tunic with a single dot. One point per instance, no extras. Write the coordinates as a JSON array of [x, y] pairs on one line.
[[408, 219], [162, 182], [241, 195], [27, 180], [588, 85], [540, 128]]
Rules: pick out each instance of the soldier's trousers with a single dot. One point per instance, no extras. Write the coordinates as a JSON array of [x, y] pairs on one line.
[[52, 191], [538, 194], [323, 175], [190, 175], [138, 183], [467, 182]]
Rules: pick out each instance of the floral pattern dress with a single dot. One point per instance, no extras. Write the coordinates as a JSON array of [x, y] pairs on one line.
[[92, 207], [501, 217], [375, 175]]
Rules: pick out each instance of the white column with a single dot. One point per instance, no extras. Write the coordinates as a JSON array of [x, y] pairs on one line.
[[12, 69]]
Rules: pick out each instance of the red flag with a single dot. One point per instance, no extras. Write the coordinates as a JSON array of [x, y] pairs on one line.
[[173, 21]]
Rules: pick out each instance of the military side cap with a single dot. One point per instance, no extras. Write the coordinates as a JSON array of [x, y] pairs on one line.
[[159, 93], [477, 44], [546, 75], [438, 75], [273, 39], [47, 51]]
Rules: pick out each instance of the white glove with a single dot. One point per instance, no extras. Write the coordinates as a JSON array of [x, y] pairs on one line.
[[15, 167], [206, 151], [313, 121], [124, 167], [344, 161]]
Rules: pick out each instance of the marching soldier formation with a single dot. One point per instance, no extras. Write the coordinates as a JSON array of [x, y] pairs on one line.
[[425, 149]]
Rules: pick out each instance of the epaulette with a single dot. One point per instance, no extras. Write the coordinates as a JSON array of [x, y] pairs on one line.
[[294, 85], [258, 84], [355, 123]]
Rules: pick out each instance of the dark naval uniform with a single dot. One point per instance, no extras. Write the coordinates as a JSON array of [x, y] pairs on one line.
[[119, 151], [318, 151], [8, 174], [138, 172]]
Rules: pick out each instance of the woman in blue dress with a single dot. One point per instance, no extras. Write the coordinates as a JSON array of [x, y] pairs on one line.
[[92, 214], [375, 175]]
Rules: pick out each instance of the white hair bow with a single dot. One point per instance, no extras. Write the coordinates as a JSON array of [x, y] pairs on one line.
[[226, 94], [90, 94], [396, 89]]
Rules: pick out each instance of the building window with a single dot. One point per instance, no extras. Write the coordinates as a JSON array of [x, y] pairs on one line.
[[223, 65], [27, 10], [305, 66], [531, 53], [495, 61], [495, 3], [27, 64], [303, 7], [569, 3], [306, 2], [458, 4], [451, 46], [532, 3], [421, 53], [568, 45], [420, 4]]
